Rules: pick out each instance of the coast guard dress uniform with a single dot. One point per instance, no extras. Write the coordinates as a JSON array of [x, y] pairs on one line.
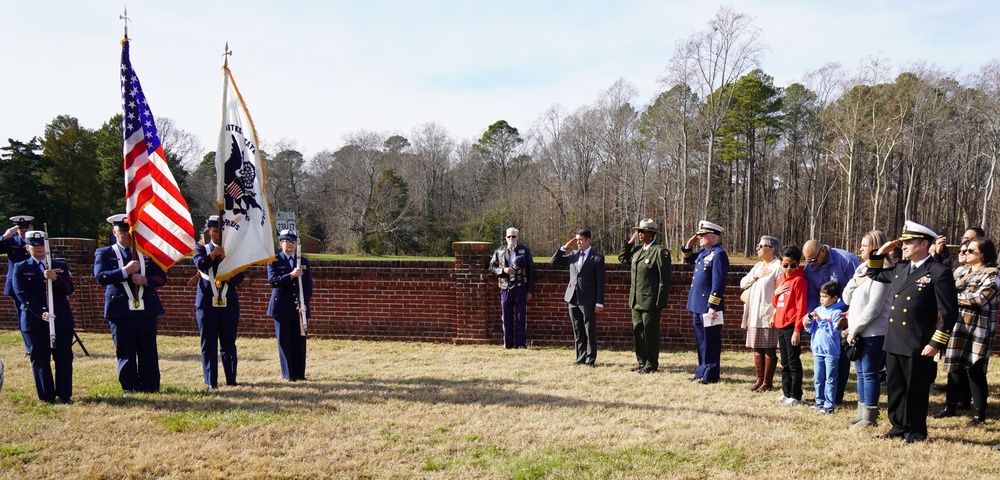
[[708, 286], [13, 246], [283, 308], [131, 310], [217, 306], [30, 287], [923, 311]]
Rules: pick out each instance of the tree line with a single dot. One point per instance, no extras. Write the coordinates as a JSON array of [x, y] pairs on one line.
[[842, 152]]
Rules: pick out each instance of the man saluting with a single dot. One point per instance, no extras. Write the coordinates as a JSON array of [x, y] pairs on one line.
[[923, 312]]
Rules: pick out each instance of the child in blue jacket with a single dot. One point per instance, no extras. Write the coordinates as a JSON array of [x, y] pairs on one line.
[[822, 326]]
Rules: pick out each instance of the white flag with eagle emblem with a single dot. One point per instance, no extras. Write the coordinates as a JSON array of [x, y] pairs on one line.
[[244, 220]]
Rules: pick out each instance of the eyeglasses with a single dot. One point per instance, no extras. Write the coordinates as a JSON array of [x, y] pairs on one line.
[[789, 265], [813, 260], [511, 236]]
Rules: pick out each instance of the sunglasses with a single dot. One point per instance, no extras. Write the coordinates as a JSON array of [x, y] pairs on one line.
[[969, 252], [511, 236], [963, 252], [763, 246], [789, 265]]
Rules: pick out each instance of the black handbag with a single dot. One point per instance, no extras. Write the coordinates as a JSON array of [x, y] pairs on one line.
[[852, 350]]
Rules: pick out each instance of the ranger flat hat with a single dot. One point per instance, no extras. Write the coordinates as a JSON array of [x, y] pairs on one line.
[[913, 231], [213, 221], [287, 235], [705, 226], [647, 224], [35, 237], [22, 220], [119, 221]]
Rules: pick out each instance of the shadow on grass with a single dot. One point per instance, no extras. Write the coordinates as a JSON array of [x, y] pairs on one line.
[[308, 396]]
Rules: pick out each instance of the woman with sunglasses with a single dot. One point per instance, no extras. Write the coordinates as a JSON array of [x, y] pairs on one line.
[[969, 347], [758, 311], [867, 322]]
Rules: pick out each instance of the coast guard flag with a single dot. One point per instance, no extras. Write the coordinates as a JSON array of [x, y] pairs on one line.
[[158, 216], [239, 192]]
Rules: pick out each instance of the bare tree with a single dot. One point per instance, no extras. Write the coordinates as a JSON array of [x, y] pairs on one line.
[[709, 60]]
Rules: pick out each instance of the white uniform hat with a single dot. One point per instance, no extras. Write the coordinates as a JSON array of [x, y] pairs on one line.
[[705, 226]]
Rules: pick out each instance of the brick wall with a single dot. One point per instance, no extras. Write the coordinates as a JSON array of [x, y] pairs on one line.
[[434, 301]]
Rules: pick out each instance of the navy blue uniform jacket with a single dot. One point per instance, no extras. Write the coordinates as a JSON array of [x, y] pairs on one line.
[[203, 299], [29, 286], [711, 270], [107, 273], [285, 289]]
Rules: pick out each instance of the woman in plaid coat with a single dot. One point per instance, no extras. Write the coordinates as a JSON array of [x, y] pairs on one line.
[[969, 348]]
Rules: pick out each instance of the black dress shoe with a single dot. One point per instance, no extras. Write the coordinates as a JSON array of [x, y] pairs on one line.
[[946, 411], [647, 370], [892, 433], [977, 418], [694, 379], [636, 369], [913, 437], [65, 401]]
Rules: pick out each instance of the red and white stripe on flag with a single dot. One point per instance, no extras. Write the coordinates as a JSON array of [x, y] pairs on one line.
[[157, 213]]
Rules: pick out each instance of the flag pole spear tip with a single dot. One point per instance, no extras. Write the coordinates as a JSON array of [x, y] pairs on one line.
[[124, 18], [225, 55]]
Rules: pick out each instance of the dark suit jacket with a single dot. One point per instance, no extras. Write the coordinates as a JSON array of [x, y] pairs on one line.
[[650, 275], [524, 278], [285, 289], [203, 299], [586, 283], [924, 305], [30, 288], [16, 253], [107, 273], [708, 283]]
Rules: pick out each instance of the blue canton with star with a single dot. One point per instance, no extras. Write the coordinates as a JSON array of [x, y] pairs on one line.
[[137, 114]]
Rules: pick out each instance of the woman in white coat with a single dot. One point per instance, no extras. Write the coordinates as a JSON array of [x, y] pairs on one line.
[[758, 288], [867, 322]]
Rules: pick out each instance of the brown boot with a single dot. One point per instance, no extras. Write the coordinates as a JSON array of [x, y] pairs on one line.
[[758, 366], [770, 364]]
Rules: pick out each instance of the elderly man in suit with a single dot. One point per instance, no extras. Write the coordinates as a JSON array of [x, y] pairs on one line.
[[585, 292], [650, 265], [285, 306], [131, 306], [922, 314], [514, 268], [218, 309], [705, 299], [31, 287]]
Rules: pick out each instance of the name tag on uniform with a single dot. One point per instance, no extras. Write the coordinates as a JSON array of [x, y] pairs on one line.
[[136, 305], [219, 302]]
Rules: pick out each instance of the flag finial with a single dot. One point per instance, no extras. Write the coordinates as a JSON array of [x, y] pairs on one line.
[[226, 55], [124, 18]]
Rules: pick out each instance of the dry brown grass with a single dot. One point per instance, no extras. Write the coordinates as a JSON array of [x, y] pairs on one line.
[[401, 410]]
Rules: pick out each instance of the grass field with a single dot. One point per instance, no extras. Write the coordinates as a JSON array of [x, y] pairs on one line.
[[417, 410]]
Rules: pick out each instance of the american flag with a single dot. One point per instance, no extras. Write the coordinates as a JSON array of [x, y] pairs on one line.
[[157, 213]]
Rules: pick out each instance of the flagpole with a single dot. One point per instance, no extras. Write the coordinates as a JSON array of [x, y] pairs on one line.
[[220, 202], [124, 17]]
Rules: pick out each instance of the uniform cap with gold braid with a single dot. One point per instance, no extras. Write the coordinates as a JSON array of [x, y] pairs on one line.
[[915, 231], [705, 226]]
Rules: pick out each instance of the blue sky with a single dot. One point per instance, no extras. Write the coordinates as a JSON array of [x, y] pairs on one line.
[[313, 72]]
